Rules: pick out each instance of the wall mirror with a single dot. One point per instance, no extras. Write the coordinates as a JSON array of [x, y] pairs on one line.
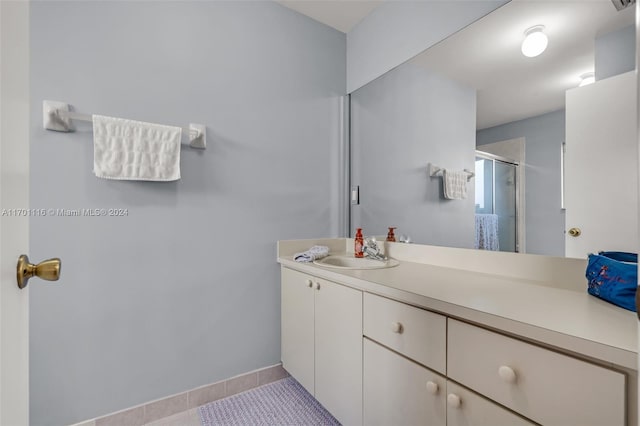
[[475, 102]]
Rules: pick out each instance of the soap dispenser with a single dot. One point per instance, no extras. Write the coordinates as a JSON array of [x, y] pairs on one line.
[[359, 243], [391, 236]]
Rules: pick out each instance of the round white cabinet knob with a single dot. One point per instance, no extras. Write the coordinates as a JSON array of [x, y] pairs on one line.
[[397, 327], [453, 400], [507, 374], [309, 283], [317, 285], [432, 387]]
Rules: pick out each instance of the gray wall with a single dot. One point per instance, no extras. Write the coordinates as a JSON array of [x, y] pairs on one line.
[[615, 52], [396, 31], [544, 135], [184, 290], [400, 122]]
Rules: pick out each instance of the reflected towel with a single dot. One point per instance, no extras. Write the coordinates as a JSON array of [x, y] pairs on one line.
[[315, 252], [487, 232], [454, 184], [134, 150]]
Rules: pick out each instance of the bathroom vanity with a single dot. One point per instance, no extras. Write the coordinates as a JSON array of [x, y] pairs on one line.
[[457, 337]]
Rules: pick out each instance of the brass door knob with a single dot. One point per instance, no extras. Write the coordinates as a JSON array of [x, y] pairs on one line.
[[47, 270], [575, 232]]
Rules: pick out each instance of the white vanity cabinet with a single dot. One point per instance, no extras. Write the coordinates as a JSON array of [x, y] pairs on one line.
[[486, 378], [372, 360], [415, 333], [297, 297], [466, 408], [401, 381], [398, 391], [322, 341], [548, 387]]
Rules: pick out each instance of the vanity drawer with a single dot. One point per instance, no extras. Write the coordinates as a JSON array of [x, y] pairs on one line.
[[543, 385], [397, 391], [465, 408], [418, 334]]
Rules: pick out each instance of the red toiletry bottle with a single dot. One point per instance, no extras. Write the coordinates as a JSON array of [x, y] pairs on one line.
[[391, 236], [359, 243]]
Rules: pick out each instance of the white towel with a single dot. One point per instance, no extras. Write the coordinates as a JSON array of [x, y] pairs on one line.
[[315, 252], [454, 184], [134, 150], [487, 232]]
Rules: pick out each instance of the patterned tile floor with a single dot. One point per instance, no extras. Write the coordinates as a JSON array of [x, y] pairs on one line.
[[282, 401]]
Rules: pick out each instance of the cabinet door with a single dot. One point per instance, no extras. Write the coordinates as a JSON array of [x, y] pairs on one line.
[[297, 326], [338, 338], [465, 408], [400, 392]]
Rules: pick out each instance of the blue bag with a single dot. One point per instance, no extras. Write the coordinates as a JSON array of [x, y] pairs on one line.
[[613, 276]]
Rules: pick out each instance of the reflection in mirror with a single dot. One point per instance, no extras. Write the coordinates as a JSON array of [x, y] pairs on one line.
[[476, 91], [497, 203]]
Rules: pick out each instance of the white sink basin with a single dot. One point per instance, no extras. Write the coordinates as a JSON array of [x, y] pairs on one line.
[[349, 262]]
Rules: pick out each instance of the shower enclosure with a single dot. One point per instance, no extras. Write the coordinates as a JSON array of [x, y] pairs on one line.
[[497, 200]]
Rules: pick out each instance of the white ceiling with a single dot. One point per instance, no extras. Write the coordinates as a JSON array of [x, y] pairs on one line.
[[486, 55], [339, 14]]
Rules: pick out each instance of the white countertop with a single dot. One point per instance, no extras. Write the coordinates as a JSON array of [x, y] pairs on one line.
[[571, 321]]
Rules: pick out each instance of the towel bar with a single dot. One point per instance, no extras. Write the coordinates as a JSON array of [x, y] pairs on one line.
[[57, 116], [437, 171]]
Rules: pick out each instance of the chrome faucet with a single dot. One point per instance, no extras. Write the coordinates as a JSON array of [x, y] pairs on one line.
[[372, 250]]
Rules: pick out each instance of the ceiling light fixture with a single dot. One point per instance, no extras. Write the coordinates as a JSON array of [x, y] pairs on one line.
[[587, 78], [535, 41]]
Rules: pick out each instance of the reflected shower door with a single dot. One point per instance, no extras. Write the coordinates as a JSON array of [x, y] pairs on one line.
[[505, 205], [484, 185], [496, 204]]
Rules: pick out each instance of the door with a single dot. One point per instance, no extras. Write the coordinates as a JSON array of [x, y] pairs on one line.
[[601, 167], [338, 351], [297, 346], [14, 225], [398, 391]]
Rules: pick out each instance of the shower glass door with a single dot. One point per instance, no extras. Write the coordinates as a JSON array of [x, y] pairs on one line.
[[496, 203]]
